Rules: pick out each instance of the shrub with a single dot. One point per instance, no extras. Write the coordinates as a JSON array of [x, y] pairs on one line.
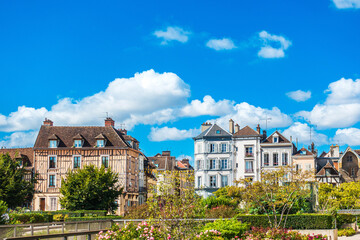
[[279, 233], [73, 219], [3, 208], [59, 217], [16, 218], [344, 219], [209, 234], [346, 232], [214, 201], [220, 212], [229, 228], [137, 212], [295, 221]]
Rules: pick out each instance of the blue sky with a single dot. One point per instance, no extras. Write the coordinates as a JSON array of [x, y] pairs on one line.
[[250, 58]]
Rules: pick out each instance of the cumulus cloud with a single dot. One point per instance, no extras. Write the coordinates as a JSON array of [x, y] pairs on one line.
[[342, 4], [207, 107], [341, 108], [20, 139], [299, 95], [246, 114], [172, 34], [301, 131], [167, 134], [274, 46], [221, 44], [183, 156], [347, 136]]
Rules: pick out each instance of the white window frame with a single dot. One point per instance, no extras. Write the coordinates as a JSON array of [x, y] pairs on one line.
[[226, 165], [282, 159], [211, 177], [212, 164], [276, 139], [97, 143], [212, 149], [56, 143], [277, 158], [199, 181], [73, 161], [268, 159], [52, 174], [101, 162], [49, 156], [227, 180], [222, 147], [81, 143], [53, 208]]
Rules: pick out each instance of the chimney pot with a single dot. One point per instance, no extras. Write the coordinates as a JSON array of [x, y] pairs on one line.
[[109, 122], [258, 129], [48, 122]]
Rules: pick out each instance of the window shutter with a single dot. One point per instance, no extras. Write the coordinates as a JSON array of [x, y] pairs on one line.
[[215, 147], [207, 164], [230, 164], [218, 163]]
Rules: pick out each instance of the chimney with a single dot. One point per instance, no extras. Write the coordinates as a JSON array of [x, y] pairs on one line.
[[312, 147], [336, 151], [48, 122], [237, 127], [264, 134], [165, 153], [109, 122], [258, 129], [123, 131], [231, 126], [291, 139], [205, 126]]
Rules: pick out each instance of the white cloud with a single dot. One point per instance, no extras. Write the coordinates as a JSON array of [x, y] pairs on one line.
[[347, 136], [299, 95], [19, 139], [274, 46], [341, 108], [221, 44], [183, 156], [207, 107], [167, 134], [246, 114], [341, 4], [301, 131], [173, 34]]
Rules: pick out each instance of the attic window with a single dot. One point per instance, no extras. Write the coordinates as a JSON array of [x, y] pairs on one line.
[[53, 143], [77, 143], [276, 139], [218, 131], [303, 152], [100, 143]]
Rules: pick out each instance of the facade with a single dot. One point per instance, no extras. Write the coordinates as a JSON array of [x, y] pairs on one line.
[[327, 166], [276, 150], [213, 159], [59, 149], [163, 161], [304, 159], [349, 165]]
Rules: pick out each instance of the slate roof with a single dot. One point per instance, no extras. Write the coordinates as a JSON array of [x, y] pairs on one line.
[[282, 139], [246, 132], [27, 154], [65, 135], [214, 131]]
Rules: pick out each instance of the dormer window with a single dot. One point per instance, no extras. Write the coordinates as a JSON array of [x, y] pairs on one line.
[[218, 131], [53, 143], [276, 139], [77, 143], [100, 143], [303, 152]]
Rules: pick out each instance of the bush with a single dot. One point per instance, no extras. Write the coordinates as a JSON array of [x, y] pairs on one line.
[[278, 233], [3, 208], [137, 212], [346, 232], [209, 235], [228, 228], [16, 218], [220, 212], [301, 221], [214, 201], [344, 218], [73, 219], [60, 217]]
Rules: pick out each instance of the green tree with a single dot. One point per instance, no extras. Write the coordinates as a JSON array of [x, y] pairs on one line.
[[15, 187], [90, 188], [344, 196]]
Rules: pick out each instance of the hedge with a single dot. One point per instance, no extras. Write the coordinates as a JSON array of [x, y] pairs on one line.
[[31, 217], [73, 219], [294, 221], [344, 218], [78, 213]]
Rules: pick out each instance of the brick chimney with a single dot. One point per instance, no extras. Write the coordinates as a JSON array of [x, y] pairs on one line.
[[48, 122], [231, 126], [237, 127], [205, 126], [109, 122], [264, 134], [165, 153], [258, 129]]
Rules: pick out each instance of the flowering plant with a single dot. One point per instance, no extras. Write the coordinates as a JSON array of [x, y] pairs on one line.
[[209, 234], [279, 233]]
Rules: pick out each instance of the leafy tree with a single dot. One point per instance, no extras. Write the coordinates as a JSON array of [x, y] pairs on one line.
[[276, 193], [90, 188], [3, 208], [15, 190], [344, 196]]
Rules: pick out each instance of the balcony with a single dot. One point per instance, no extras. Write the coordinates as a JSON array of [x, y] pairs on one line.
[[250, 170], [249, 155]]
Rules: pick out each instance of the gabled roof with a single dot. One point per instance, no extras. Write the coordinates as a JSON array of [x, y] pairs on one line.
[[213, 132], [27, 154], [328, 165], [78, 136], [282, 139], [53, 137], [307, 152], [65, 136], [245, 132]]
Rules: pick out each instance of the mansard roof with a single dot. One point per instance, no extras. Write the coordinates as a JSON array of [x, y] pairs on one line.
[[65, 136], [214, 131], [282, 139], [246, 132]]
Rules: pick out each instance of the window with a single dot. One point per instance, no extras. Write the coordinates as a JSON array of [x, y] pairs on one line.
[[52, 161], [76, 160], [199, 148], [349, 158], [218, 131], [249, 168], [100, 143], [224, 181], [327, 171], [212, 147], [297, 167], [199, 182], [224, 164], [105, 161], [248, 151], [275, 159], [303, 152], [276, 139], [223, 147], [198, 164], [249, 181], [212, 181], [77, 143], [308, 167], [53, 144], [266, 159], [52, 180], [353, 172], [284, 159], [53, 205], [212, 163]]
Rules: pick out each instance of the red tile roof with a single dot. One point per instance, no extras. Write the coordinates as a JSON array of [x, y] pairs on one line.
[[246, 131]]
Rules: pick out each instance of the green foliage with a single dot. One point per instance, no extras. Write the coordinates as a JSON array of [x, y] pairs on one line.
[[73, 219], [214, 201], [3, 208], [279, 233], [137, 212], [228, 228], [220, 212], [343, 218], [294, 221], [344, 196], [79, 213], [20, 218], [209, 235], [59, 217], [346, 232], [90, 188], [14, 189]]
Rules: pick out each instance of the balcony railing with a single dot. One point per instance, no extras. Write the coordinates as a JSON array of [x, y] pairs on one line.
[[249, 155], [249, 170]]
